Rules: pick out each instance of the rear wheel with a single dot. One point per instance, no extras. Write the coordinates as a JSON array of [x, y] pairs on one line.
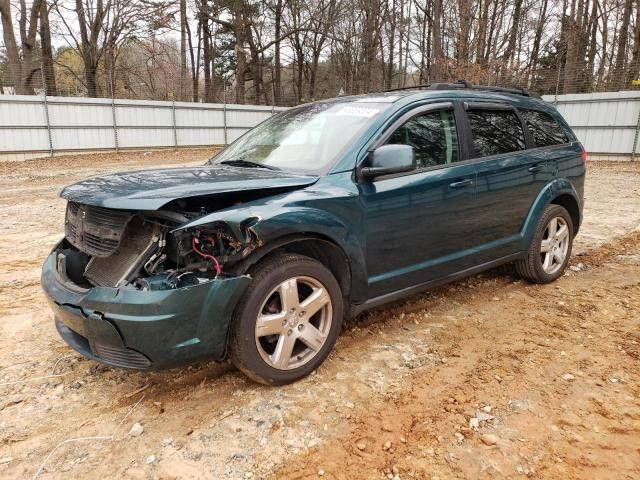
[[287, 321], [550, 248]]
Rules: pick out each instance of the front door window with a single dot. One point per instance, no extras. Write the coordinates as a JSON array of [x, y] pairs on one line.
[[432, 135]]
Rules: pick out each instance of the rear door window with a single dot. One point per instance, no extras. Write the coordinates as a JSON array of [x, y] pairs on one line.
[[495, 131], [433, 137], [544, 129]]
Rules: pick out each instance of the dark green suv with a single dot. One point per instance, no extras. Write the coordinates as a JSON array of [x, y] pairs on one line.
[[319, 213]]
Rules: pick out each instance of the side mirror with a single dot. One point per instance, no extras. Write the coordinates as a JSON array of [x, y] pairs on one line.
[[389, 159]]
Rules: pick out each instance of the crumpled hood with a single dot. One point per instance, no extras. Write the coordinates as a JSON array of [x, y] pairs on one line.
[[151, 189]]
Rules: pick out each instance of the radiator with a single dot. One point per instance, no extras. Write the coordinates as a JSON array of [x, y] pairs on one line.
[[139, 242]]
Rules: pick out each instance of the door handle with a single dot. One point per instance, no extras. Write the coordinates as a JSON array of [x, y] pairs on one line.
[[461, 183], [536, 168]]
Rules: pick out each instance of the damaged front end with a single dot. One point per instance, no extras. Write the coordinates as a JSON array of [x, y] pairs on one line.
[[135, 289], [149, 250]]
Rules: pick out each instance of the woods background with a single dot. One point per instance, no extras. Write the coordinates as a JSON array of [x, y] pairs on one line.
[[285, 52]]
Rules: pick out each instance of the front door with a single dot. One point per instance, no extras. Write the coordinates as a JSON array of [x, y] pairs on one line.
[[418, 224]]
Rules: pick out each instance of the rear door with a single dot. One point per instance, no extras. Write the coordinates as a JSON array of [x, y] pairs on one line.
[[509, 177]]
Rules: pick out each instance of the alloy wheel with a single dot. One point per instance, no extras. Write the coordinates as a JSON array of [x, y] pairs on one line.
[[293, 323], [554, 245]]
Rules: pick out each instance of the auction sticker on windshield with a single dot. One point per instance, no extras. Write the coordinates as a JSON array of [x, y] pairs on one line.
[[357, 112]]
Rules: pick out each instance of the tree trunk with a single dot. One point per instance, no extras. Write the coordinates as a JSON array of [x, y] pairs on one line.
[[21, 63], [47, 51], [437, 67], [392, 41], [513, 34], [463, 34], [207, 52], [241, 56], [619, 71], [89, 46], [195, 64], [482, 32], [493, 26], [91, 79], [299, 71], [593, 43], [634, 66], [605, 38], [183, 50], [277, 68], [535, 51], [313, 74], [570, 50]]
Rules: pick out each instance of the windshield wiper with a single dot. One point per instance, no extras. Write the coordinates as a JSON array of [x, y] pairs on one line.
[[247, 164]]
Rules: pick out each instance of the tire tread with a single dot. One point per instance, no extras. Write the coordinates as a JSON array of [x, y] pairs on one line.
[[528, 267]]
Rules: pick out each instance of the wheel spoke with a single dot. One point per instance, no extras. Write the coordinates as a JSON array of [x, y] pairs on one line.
[[562, 233], [270, 324], [545, 246], [288, 291], [553, 227], [312, 337], [314, 302], [548, 258], [557, 255], [282, 354]]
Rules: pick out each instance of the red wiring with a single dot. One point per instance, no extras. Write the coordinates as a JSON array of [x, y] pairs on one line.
[[216, 265]]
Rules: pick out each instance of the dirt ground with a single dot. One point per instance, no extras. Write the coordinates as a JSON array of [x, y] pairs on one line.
[[489, 377]]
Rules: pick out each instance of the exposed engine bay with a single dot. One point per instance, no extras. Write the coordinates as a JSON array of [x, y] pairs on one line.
[[147, 250]]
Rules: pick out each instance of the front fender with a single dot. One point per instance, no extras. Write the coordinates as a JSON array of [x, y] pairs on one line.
[[267, 224], [555, 188]]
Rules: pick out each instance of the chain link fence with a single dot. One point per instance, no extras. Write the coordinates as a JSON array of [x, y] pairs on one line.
[[158, 80]]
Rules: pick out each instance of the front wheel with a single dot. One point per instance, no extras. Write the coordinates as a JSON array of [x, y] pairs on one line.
[[288, 320], [550, 247]]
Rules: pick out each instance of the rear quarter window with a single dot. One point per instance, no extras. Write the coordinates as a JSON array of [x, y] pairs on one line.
[[495, 132], [544, 129]]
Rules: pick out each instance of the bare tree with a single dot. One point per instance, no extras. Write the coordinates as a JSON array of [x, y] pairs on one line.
[[20, 56], [47, 51], [100, 27], [289, 51]]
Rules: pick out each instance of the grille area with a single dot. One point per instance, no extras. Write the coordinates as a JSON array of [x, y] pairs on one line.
[[121, 357], [138, 243], [94, 230]]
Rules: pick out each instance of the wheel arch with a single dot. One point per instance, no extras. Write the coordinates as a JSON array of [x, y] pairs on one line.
[[559, 192], [314, 245], [570, 204]]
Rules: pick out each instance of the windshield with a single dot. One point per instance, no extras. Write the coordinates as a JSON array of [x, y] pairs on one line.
[[306, 139]]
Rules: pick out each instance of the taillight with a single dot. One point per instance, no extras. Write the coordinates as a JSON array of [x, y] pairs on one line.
[[583, 155]]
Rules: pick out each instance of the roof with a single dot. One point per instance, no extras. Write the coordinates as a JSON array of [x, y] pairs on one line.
[[446, 91]]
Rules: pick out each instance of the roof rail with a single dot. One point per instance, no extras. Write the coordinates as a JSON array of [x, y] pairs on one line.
[[460, 84], [413, 87]]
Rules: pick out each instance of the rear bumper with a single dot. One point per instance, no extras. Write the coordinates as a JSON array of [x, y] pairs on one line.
[[129, 328]]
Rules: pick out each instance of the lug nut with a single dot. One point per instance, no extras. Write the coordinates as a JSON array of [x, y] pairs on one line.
[[300, 327], [290, 332]]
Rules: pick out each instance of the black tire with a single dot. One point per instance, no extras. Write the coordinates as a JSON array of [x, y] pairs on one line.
[[243, 346], [531, 266]]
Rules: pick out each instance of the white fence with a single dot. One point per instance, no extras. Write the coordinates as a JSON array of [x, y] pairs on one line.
[[607, 124], [32, 126]]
